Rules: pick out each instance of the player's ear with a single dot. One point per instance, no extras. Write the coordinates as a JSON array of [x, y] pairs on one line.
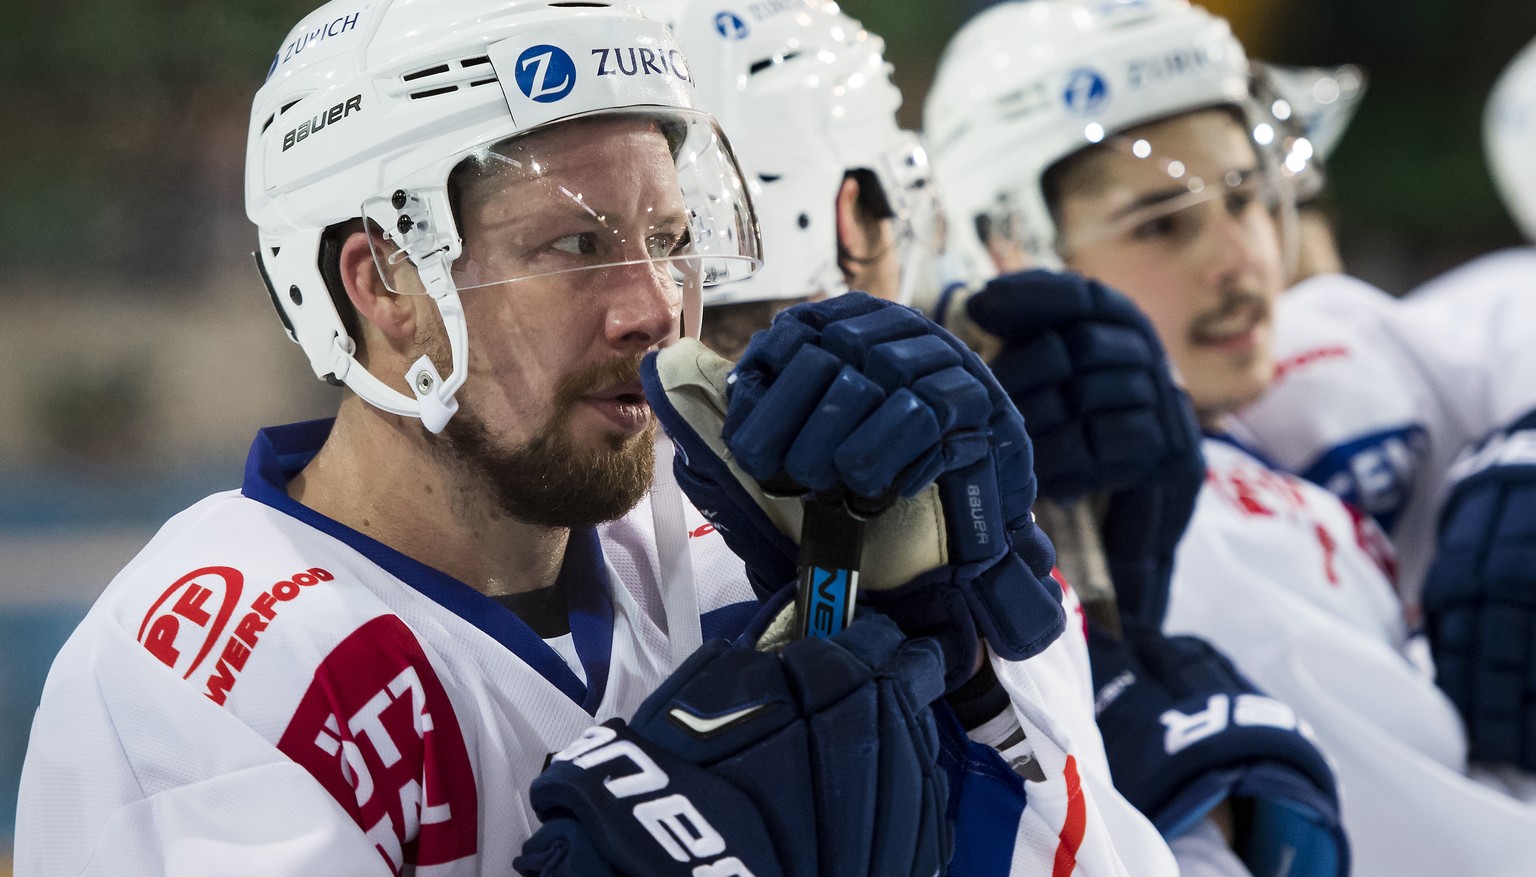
[[858, 234], [390, 313]]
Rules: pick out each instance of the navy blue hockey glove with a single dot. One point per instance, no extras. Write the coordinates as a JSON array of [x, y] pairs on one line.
[[1184, 731], [1105, 414], [868, 402], [820, 760], [1480, 597]]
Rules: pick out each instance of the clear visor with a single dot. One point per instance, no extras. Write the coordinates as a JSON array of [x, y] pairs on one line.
[[656, 188], [1181, 193], [1301, 113]]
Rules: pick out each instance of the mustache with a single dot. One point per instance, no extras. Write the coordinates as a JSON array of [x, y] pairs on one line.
[[1233, 301], [599, 376]]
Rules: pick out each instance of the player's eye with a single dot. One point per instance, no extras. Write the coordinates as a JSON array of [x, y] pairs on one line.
[[1158, 228], [583, 244], [664, 244], [1239, 200]]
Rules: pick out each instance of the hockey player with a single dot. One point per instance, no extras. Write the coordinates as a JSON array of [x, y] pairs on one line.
[[1113, 139], [478, 216], [846, 201], [1415, 409]]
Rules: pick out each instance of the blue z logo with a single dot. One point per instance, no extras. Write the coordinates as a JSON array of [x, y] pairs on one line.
[[1086, 91], [545, 73], [730, 26]]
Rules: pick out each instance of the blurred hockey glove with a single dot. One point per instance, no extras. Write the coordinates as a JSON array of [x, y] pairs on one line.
[[821, 759], [863, 400], [1184, 732], [1480, 596], [1105, 414]]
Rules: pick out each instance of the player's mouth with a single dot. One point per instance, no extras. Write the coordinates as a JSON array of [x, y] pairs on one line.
[[623, 405], [1235, 326]]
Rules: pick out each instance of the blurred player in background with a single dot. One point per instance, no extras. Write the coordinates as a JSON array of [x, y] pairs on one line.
[[1120, 140], [1414, 410], [844, 196]]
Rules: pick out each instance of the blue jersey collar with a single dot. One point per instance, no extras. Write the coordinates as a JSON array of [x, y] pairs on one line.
[[279, 452]]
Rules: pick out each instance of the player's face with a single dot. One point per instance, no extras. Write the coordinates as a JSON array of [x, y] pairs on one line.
[[553, 410], [1206, 267]]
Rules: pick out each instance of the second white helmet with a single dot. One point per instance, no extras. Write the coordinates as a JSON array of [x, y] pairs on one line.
[[805, 94]]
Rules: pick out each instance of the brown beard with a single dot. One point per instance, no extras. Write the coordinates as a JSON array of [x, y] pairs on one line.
[[549, 481]]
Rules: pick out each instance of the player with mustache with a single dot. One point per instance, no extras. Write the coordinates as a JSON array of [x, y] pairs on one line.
[[1118, 141]]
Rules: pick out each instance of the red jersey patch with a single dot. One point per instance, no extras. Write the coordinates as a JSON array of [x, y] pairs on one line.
[[377, 730]]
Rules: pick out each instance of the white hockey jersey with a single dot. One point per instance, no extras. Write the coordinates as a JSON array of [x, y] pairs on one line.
[[264, 691], [1293, 585], [1375, 398]]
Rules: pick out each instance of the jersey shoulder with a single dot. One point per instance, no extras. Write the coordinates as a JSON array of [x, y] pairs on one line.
[[225, 579]]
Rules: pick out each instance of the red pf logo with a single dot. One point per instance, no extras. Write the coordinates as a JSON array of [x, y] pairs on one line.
[[183, 626], [377, 730]]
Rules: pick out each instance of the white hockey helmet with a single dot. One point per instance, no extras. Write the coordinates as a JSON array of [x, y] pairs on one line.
[[806, 95], [370, 105], [1023, 85], [1305, 111], [1509, 138]]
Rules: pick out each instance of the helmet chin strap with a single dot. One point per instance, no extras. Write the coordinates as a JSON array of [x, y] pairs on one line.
[[435, 395], [434, 403]]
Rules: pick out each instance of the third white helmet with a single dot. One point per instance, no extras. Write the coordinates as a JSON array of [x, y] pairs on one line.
[[1025, 84]]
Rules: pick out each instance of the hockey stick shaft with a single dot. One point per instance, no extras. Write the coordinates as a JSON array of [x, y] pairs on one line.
[[831, 541], [1074, 530]]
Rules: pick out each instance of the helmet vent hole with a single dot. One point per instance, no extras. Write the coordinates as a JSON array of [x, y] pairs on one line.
[[769, 178], [427, 71], [575, 5], [759, 66], [482, 82], [476, 61], [433, 92], [268, 123], [804, 221], [295, 296], [288, 106]]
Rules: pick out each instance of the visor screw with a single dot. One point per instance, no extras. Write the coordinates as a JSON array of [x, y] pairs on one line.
[[405, 225], [397, 200], [423, 383], [804, 221], [295, 295]]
